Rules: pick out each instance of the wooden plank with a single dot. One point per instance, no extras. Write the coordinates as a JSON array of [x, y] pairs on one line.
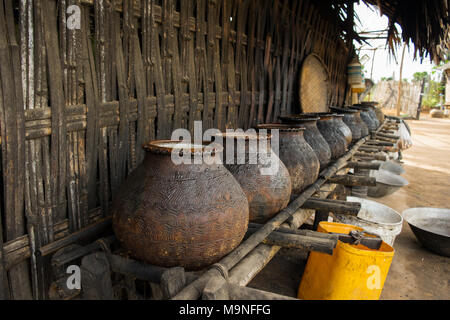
[[58, 138], [13, 151], [241, 63], [220, 111], [251, 121], [123, 148], [203, 68], [194, 112], [162, 121], [92, 102]]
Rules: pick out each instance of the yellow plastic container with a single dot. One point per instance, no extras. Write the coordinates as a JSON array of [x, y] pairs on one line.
[[353, 272]]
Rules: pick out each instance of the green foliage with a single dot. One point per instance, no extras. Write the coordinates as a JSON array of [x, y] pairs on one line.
[[419, 76], [431, 96]]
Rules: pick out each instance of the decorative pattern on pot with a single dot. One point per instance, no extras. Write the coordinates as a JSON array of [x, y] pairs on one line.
[[267, 193], [188, 215], [297, 155], [313, 136]]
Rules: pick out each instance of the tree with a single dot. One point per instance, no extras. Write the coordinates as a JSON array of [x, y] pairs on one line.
[[419, 76]]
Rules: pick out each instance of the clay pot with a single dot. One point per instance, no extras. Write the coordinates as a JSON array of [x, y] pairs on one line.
[[368, 118], [338, 118], [362, 125], [267, 193], [332, 133], [188, 215], [371, 108], [313, 136], [380, 115], [297, 155], [349, 118]]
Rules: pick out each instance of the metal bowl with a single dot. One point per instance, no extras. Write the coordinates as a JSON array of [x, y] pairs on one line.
[[391, 166], [431, 226], [376, 218], [387, 183]]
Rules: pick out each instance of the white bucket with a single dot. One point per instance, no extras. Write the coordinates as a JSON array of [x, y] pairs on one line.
[[375, 218]]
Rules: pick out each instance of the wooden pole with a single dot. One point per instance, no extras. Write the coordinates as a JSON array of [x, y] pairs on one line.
[[371, 70], [287, 240], [422, 89], [400, 82]]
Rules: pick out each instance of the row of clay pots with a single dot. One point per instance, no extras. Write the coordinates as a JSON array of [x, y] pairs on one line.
[[298, 156], [192, 215]]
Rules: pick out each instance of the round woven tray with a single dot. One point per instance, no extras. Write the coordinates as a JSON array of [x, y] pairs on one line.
[[314, 85]]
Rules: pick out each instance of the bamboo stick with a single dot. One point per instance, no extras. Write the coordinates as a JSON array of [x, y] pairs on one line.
[[304, 242]]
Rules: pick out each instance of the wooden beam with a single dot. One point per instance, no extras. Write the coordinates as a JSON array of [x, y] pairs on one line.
[[354, 180], [336, 206], [289, 240]]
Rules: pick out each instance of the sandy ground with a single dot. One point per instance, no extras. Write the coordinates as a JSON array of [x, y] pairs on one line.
[[415, 273]]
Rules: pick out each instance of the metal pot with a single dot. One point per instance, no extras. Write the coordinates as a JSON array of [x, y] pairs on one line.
[[188, 215], [298, 156], [387, 183], [267, 193], [350, 119], [431, 226], [313, 136]]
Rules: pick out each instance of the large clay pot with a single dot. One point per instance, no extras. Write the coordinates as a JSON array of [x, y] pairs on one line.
[[313, 136], [368, 118], [371, 110], [362, 124], [267, 192], [331, 131], [338, 118], [349, 118], [297, 155], [188, 215]]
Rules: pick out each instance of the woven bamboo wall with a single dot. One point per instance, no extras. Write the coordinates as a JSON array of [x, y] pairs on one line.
[[76, 105]]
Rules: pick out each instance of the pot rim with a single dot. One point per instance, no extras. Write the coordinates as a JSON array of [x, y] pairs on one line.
[[281, 127], [361, 108], [169, 146], [243, 135], [344, 110], [297, 118], [370, 103]]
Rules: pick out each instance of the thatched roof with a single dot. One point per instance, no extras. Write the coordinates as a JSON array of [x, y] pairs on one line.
[[424, 22]]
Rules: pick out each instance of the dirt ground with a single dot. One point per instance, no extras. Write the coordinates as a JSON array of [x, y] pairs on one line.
[[415, 272]]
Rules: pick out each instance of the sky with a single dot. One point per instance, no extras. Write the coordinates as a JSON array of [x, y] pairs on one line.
[[384, 64]]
